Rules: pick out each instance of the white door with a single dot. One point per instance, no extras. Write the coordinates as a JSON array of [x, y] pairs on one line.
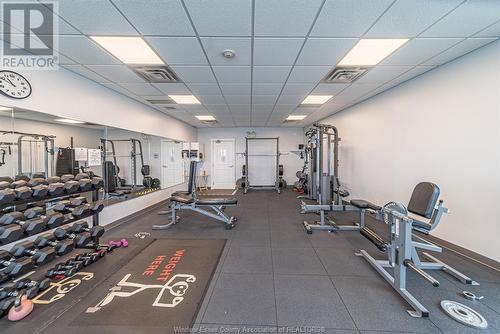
[[223, 170], [171, 163]]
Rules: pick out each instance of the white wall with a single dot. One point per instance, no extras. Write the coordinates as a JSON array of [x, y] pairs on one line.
[[444, 127], [290, 138], [66, 94]]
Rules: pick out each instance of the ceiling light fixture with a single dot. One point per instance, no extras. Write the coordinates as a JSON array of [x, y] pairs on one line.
[[130, 50], [370, 52], [316, 99], [2, 108], [67, 120], [205, 117], [296, 117], [184, 99]]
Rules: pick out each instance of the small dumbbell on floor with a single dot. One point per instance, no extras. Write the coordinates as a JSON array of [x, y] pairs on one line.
[[27, 283], [62, 273]]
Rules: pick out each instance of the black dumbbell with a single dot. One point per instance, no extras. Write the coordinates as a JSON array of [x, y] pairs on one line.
[[95, 232], [39, 256], [10, 233], [73, 261], [5, 183], [55, 187], [21, 177], [65, 266], [77, 212], [97, 182], [62, 247], [84, 180], [36, 181], [67, 232], [27, 283], [10, 291], [15, 267], [40, 191], [65, 273], [51, 219], [30, 227], [7, 196]]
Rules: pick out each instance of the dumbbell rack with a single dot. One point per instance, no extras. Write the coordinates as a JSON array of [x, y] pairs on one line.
[[48, 200]]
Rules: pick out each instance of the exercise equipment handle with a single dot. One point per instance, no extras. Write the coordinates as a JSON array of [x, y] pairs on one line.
[[374, 238], [408, 263]]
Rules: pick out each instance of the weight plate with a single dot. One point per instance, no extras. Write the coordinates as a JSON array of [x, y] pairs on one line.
[[464, 314]]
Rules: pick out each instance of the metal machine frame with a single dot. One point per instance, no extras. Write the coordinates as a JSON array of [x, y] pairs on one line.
[[276, 185], [402, 252], [323, 184], [49, 150]]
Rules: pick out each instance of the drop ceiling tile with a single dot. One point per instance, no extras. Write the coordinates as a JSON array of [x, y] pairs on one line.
[[468, 19], [347, 18], [221, 17], [241, 46], [238, 108], [237, 99], [142, 89], [354, 90], [84, 51], [236, 89], [178, 50], [211, 99], [491, 31], [270, 74], [291, 99], [264, 99], [297, 89], [262, 107], [217, 107], [204, 89], [144, 15], [276, 51], [458, 50], [172, 88], [325, 51], [63, 60], [232, 74], [117, 73], [308, 74], [282, 108], [382, 74], [284, 17], [414, 72], [418, 50], [95, 17], [266, 89], [408, 18], [119, 89], [194, 74], [85, 72], [329, 88], [65, 28]]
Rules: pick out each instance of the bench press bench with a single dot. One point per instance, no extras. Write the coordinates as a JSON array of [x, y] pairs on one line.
[[189, 200]]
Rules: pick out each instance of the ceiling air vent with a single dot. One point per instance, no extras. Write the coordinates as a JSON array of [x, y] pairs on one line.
[[161, 101], [344, 74], [156, 74]]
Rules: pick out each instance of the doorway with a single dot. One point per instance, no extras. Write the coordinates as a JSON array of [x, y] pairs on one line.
[[171, 163], [223, 164]]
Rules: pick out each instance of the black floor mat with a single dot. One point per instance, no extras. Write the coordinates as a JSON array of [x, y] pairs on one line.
[[162, 286]]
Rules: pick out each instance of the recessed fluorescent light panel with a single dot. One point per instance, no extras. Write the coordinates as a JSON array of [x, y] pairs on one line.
[[370, 52], [184, 99], [130, 50], [2, 108], [295, 117], [70, 121], [316, 99], [205, 117]]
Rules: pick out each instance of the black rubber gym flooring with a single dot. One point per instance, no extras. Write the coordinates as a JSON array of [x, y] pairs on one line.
[[273, 277]]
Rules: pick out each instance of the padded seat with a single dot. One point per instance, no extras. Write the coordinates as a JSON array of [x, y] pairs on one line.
[[362, 204], [181, 198], [217, 201]]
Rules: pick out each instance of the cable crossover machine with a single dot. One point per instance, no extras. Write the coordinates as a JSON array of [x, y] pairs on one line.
[[253, 149]]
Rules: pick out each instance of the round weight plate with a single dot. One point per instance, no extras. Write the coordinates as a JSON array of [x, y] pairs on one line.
[[464, 314]]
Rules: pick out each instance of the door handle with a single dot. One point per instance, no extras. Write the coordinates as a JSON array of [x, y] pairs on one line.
[[231, 166]]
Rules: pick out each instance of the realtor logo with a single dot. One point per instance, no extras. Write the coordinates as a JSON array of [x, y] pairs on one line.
[[29, 35]]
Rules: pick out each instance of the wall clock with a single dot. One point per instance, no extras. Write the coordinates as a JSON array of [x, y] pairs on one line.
[[14, 85]]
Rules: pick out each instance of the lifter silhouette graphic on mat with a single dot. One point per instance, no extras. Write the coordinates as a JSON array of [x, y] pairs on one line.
[[177, 286]]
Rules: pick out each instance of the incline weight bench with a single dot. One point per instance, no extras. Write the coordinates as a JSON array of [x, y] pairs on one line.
[[403, 245], [188, 200]]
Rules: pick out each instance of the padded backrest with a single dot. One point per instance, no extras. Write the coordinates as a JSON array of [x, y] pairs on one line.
[[192, 177], [423, 199]]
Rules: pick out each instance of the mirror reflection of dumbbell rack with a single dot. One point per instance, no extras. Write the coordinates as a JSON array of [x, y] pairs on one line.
[[32, 256]]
